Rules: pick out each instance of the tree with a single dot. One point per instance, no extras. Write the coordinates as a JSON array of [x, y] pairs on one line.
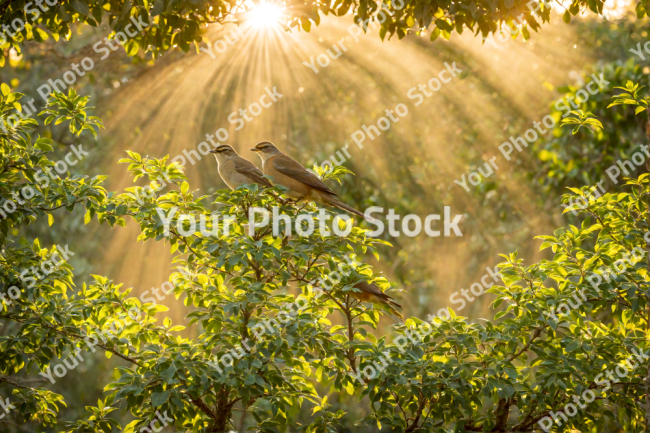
[[157, 26], [30, 189], [571, 160], [570, 335]]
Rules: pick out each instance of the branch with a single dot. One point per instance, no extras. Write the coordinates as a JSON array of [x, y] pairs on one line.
[[536, 334], [502, 414], [78, 337], [418, 414], [204, 407], [4, 379]]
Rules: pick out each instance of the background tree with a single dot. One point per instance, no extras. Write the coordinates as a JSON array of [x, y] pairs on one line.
[[572, 160], [162, 24]]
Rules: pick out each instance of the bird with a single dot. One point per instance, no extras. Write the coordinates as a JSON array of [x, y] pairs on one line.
[[237, 171], [301, 183], [373, 294]]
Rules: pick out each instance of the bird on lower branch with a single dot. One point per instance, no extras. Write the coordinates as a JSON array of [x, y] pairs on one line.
[[373, 294]]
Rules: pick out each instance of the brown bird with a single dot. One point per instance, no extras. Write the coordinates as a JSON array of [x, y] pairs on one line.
[[237, 171], [302, 184], [373, 294]]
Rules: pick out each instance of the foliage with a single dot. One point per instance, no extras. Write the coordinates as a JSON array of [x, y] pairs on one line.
[[613, 39], [73, 109], [457, 373], [30, 190], [237, 283], [582, 119], [564, 323], [164, 24], [574, 160], [630, 96]]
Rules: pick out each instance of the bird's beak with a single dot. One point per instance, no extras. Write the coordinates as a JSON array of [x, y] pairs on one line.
[[255, 150], [213, 151]]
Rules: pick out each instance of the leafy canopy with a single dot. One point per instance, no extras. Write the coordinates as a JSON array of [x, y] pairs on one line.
[[274, 327], [163, 24]]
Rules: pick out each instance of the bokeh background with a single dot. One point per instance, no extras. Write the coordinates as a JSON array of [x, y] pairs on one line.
[[169, 106]]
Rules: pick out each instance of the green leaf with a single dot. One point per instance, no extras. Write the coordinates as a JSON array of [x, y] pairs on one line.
[[43, 146], [640, 10], [131, 48], [80, 7], [158, 8], [573, 346], [159, 398], [42, 35], [129, 428]]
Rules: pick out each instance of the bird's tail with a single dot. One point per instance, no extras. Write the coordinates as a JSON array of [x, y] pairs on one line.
[[393, 303], [339, 204], [390, 306], [393, 311]]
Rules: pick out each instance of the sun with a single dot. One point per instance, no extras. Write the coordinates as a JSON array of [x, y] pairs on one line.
[[265, 14]]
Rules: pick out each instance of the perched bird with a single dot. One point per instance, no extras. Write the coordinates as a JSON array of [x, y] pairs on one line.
[[373, 294], [237, 171], [302, 184]]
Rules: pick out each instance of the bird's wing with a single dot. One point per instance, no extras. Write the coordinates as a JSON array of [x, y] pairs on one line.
[[373, 289], [289, 167], [249, 170]]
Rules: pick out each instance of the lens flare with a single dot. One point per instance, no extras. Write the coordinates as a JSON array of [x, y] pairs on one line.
[[265, 15]]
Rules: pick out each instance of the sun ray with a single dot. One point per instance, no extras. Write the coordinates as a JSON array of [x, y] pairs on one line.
[[188, 98]]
